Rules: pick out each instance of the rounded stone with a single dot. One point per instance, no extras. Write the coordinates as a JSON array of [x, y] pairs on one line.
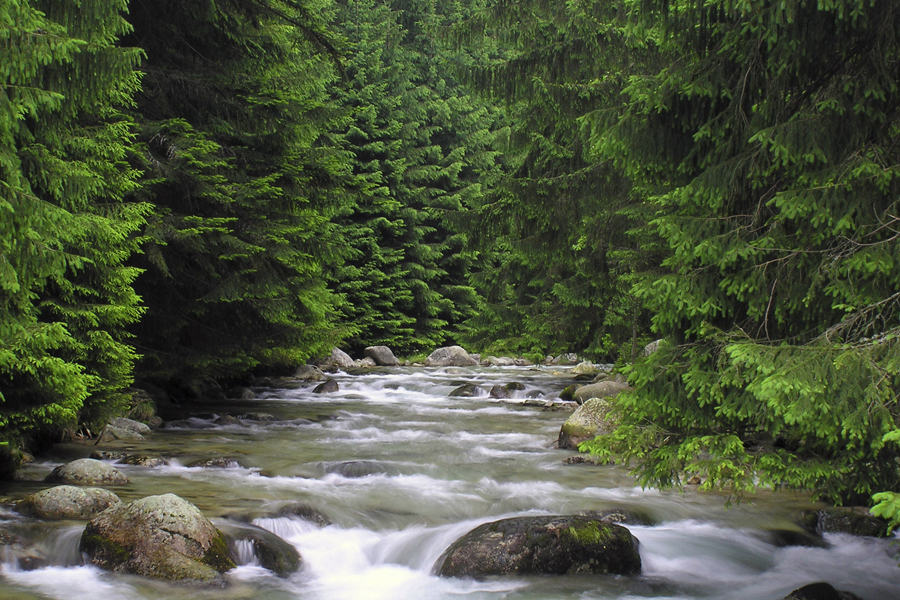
[[67, 502], [163, 536], [542, 546], [86, 471]]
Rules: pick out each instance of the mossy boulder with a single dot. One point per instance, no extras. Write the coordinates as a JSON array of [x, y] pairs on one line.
[[602, 389], [164, 537], [852, 520], [542, 546], [589, 420], [67, 502], [86, 471]]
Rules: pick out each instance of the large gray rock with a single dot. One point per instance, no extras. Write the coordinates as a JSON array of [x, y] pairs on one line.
[[603, 389], [67, 502], [309, 373], [382, 356], [586, 368], [651, 348], [164, 537], [86, 471], [542, 545], [271, 551], [498, 361], [111, 433], [338, 359], [450, 356], [130, 425], [587, 422]]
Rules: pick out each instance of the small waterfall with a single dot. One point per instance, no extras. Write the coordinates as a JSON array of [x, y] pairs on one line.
[[245, 553]]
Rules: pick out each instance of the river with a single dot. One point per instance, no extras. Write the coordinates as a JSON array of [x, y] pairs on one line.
[[402, 469]]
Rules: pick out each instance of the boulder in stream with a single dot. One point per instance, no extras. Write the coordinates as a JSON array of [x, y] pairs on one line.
[[305, 512], [542, 546], [216, 463], [67, 502], [165, 537], [272, 552], [382, 355], [603, 389], [111, 433], [852, 520], [450, 356], [587, 422], [17, 550], [500, 392], [86, 471], [329, 386], [820, 591], [469, 390], [130, 425]]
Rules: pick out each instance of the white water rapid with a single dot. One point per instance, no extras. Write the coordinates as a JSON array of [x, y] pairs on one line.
[[402, 469]]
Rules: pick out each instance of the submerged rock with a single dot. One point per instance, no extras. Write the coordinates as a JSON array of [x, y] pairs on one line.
[[590, 420], [159, 536], [86, 471], [450, 356], [542, 545], [382, 356], [468, 390], [820, 591], [142, 460], [216, 463], [272, 552], [67, 502], [15, 549], [305, 512]]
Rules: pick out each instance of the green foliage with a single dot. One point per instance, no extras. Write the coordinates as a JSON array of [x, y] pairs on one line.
[[559, 256], [765, 135], [419, 142], [233, 124], [65, 233]]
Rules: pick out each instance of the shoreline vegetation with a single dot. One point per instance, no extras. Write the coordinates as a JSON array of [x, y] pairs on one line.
[[195, 194]]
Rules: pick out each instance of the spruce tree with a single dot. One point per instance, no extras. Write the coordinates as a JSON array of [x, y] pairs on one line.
[[419, 141], [234, 120], [65, 234], [559, 260], [766, 136]]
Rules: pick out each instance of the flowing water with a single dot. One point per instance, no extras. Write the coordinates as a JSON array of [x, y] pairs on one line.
[[402, 469]]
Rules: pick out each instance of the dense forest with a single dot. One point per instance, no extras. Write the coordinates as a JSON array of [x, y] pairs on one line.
[[228, 188]]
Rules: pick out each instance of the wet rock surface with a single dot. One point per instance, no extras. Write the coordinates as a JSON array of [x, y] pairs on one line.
[[86, 471], [164, 537], [543, 545], [67, 502]]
